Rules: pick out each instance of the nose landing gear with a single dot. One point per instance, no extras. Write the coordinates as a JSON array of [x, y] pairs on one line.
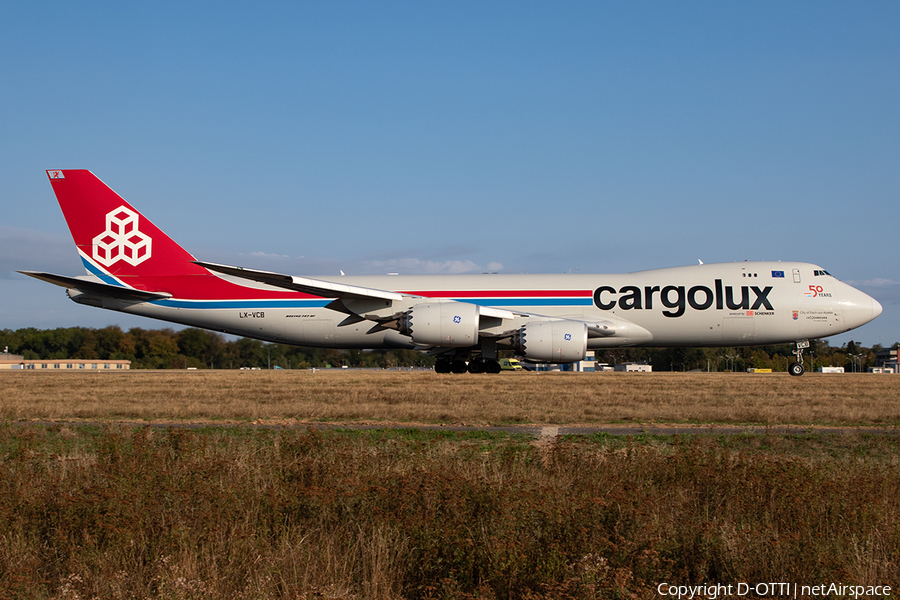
[[796, 368]]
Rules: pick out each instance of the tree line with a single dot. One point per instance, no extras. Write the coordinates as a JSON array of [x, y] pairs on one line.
[[202, 349], [852, 356], [196, 348]]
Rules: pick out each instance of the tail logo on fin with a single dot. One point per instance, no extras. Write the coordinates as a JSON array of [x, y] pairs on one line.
[[122, 240]]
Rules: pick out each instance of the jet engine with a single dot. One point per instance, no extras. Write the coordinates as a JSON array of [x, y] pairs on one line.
[[552, 341], [446, 324]]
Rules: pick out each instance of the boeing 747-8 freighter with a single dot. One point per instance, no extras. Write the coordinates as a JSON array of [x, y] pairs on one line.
[[465, 320]]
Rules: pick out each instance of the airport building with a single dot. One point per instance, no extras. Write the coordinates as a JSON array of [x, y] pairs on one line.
[[589, 364], [634, 367], [17, 362], [886, 362]]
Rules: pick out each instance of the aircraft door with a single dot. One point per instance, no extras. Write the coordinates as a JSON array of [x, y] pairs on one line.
[[796, 275]]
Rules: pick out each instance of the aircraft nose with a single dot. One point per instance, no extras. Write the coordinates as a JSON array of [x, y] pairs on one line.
[[860, 308], [876, 308]]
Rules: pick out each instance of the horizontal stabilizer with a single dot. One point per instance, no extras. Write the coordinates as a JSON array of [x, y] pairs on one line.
[[95, 287], [314, 287]]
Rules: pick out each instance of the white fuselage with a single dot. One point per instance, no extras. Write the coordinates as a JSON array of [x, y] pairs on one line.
[[727, 304]]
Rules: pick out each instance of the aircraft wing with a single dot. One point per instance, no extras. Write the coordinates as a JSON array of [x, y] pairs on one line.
[[328, 289], [314, 287], [96, 287]]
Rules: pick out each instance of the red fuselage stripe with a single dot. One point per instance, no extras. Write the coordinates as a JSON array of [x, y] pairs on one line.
[[503, 293]]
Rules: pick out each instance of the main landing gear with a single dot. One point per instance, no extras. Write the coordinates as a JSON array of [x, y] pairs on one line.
[[796, 368], [476, 365], [445, 365]]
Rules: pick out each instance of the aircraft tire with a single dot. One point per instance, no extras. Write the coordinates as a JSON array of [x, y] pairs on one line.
[[476, 366], [442, 366], [795, 369], [458, 366], [491, 366]]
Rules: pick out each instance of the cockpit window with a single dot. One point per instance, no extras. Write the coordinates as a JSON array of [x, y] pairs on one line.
[[819, 272]]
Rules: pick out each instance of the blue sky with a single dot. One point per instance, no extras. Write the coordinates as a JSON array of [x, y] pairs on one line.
[[420, 137]]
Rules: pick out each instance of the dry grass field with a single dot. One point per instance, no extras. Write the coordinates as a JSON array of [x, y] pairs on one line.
[[129, 512], [93, 506], [425, 397]]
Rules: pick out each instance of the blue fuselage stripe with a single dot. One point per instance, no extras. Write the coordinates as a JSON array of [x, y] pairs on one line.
[[100, 274], [256, 304], [249, 304]]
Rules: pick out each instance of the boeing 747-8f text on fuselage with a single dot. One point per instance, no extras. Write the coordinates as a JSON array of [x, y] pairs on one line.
[[465, 320]]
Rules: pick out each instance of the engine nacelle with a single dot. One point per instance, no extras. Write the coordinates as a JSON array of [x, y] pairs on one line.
[[552, 341], [446, 324]]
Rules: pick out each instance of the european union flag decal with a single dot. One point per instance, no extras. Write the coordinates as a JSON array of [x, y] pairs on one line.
[[778, 274]]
